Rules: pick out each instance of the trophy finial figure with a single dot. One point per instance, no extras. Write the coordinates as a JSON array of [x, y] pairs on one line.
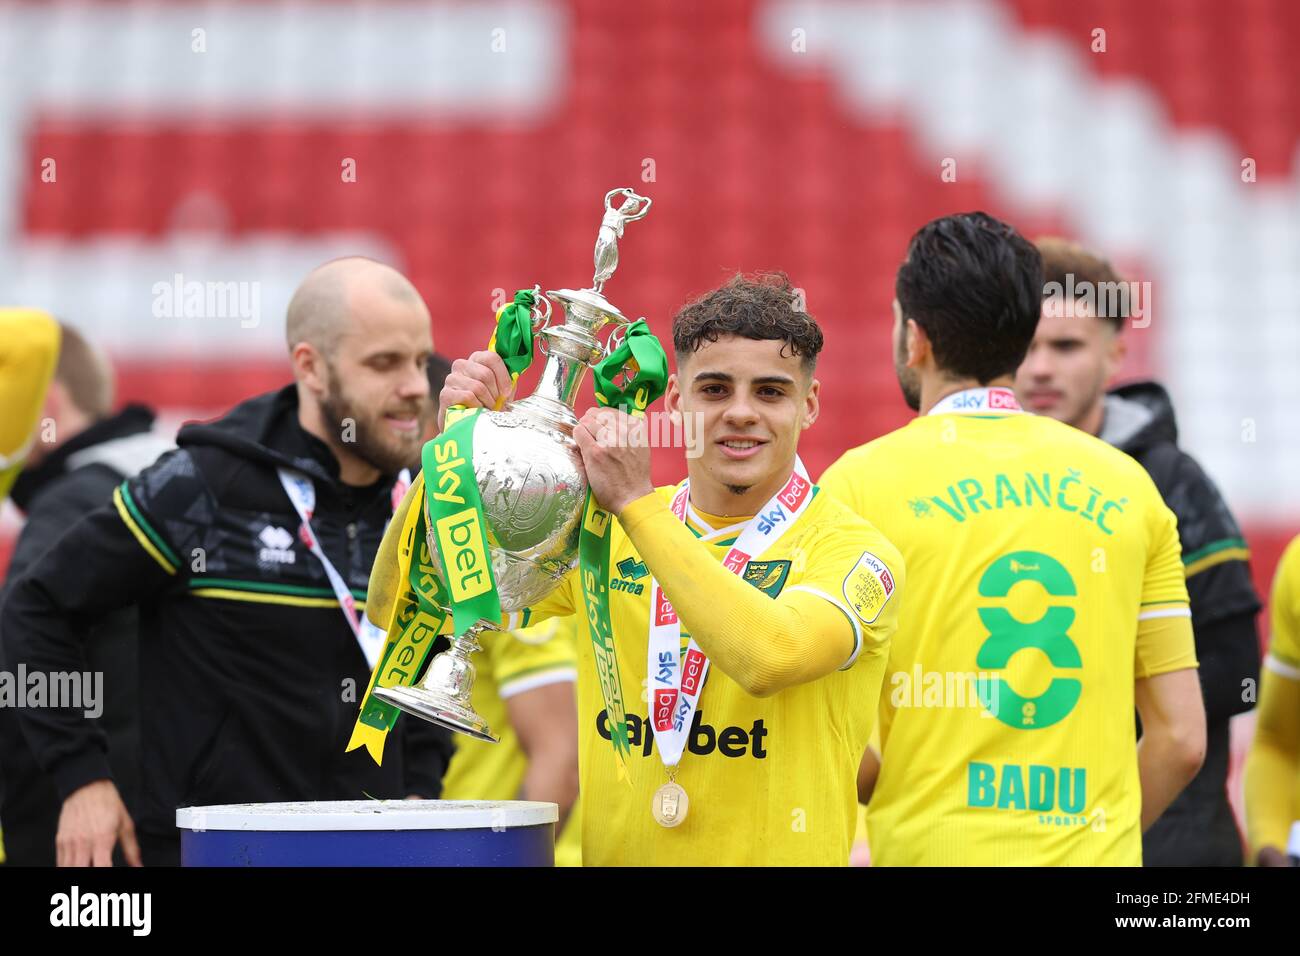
[[633, 208]]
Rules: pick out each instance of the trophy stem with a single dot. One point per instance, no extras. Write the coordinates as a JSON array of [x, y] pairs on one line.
[[444, 696], [561, 378], [572, 348]]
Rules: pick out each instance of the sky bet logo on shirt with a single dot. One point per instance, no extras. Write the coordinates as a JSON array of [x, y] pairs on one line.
[[702, 740]]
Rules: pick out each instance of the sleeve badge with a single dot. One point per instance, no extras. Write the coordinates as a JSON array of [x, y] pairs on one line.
[[868, 587]]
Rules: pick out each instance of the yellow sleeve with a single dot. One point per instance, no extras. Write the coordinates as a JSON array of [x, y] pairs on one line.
[[763, 644], [1284, 614], [29, 352], [1273, 765], [1164, 634], [533, 657]]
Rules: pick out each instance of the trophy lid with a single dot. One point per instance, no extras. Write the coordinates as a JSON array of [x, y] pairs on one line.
[[593, 309]]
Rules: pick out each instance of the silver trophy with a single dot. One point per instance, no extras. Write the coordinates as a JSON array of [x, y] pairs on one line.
[[533, 489]]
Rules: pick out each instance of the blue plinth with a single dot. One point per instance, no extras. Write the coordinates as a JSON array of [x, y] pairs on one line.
[[370, 833]]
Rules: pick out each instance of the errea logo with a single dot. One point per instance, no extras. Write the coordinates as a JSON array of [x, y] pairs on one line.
[[629, 569], [278, 545]]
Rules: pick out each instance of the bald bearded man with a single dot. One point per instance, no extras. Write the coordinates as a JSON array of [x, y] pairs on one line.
[[248, 550]]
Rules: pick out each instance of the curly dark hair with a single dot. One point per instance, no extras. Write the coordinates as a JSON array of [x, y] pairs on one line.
[[758, 305]]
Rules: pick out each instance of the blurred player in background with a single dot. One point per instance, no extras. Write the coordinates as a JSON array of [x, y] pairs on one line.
[[91, 450], [1019, 534], [1273, 767], [247, 550], [523, 687], [1076, 351], [29, 347], [779, 638]]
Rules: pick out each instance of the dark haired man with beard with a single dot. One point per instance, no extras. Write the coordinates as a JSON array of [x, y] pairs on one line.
[[247, 550], [1053, 593]]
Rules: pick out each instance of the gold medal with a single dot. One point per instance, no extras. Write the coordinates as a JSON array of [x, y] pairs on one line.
[[669, 804]]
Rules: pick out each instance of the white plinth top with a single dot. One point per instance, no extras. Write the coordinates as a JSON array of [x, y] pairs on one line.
[[370, 815]]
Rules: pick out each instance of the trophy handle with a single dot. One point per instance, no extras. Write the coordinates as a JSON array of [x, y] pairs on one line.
[[541, 316], [616, 338], [541, 310]]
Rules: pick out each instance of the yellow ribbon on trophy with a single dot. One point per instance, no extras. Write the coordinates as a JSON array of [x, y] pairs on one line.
[[407, 606]]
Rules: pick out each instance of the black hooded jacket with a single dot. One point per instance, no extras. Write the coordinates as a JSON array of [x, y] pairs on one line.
[[76, 477], [250, 676], [1198, 828]]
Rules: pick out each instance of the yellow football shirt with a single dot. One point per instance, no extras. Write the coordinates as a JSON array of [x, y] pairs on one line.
[[1273, 767], [29, 350], [772, 780], [1045, 575], [510, 664]]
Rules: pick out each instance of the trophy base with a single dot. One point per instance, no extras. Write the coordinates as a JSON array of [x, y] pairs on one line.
[[437, 709]]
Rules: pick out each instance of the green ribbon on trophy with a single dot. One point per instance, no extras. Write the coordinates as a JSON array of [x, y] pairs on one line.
[[454, 510], [641, 361], [412, 627], [513, 338]]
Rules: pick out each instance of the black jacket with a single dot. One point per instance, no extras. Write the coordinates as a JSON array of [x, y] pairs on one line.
[[250, 676], [77, 477], [1198, 828]]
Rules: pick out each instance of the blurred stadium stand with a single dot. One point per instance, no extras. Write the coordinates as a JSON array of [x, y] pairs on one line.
[[806, 136]]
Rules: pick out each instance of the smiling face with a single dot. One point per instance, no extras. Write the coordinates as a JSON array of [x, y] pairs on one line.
[[753, 398]]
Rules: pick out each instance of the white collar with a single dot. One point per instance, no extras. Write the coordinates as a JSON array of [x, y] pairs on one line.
[[981, 400]]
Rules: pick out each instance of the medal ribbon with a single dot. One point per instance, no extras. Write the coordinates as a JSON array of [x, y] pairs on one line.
[[675, 681]]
